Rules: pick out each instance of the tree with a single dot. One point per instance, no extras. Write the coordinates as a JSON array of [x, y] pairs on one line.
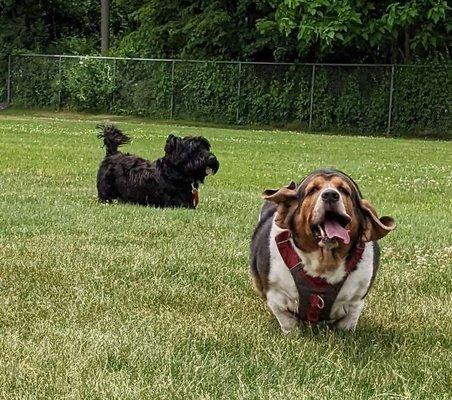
[[104, 27], [379, 30], [204, 29]]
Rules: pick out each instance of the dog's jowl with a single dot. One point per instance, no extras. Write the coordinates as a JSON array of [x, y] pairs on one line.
[[314, 252], [170, 181]]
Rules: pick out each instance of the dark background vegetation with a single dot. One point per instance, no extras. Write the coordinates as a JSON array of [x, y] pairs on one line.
[[256, 30], [299, 31]]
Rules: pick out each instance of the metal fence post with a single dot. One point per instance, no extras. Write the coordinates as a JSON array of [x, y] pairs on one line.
[[391, 91], [59, 82], [311, 107], [237, 112], [8, 82], [114, 86], [172, 89]]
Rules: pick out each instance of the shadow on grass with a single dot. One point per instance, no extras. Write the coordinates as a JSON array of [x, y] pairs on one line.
[[375, 342]]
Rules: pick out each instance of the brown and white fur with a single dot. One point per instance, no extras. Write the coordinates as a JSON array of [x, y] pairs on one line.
[[323, 197]]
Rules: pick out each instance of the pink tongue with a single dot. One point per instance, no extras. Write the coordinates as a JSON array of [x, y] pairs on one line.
[[334, 229]]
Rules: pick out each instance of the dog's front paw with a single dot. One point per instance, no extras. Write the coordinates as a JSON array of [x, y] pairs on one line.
[[286, 318], [289, 326], [347, 324], [350, 320]]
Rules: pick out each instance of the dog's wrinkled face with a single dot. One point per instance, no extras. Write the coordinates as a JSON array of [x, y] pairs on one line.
[[327, 211], [330, 210], [192, 156]]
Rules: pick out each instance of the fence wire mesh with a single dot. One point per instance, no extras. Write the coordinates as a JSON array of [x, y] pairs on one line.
[[327, 97], [280, 94], [351, 98]]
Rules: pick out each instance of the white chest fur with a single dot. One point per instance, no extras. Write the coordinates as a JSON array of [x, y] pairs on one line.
[[282, 294]]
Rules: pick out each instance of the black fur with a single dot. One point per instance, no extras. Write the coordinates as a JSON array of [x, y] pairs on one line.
[[165, 182]]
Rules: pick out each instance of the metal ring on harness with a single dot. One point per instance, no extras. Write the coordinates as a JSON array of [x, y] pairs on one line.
[[321, 303]]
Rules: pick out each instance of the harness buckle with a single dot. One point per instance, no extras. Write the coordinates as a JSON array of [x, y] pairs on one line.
[[320, 302]]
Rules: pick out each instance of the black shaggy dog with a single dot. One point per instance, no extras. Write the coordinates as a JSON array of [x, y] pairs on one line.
[[170, 181]]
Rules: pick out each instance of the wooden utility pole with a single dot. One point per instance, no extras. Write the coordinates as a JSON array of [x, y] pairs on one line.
[[104, 27]]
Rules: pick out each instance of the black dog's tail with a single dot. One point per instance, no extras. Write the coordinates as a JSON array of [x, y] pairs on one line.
[[112, 137]]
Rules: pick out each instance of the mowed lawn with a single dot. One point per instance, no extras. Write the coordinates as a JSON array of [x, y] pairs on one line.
[[128, 302]]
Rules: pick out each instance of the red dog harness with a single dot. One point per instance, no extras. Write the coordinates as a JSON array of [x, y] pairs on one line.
[[316, 295]]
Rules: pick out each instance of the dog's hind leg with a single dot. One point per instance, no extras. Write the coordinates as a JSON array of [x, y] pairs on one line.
[[105, 188]]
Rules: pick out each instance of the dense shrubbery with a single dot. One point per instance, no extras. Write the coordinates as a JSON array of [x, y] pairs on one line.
[[353, 99], [87, 84], [35, 83], [205, 92], [142, 88], [422, 99]]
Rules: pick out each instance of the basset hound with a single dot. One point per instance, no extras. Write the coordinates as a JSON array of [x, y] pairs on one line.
[[314, 252]]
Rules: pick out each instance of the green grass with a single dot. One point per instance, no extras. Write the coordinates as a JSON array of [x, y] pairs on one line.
[[127, 302]]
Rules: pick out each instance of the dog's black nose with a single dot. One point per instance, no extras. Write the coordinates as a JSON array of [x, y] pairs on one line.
[[330, 196]]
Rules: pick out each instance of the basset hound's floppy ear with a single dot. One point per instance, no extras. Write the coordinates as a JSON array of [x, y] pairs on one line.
[[284, 195], [374, 227], [285, 199]]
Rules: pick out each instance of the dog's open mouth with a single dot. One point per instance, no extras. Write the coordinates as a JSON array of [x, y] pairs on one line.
[[332, 228]]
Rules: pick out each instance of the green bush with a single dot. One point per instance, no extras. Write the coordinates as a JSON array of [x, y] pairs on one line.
[[275, 94], [422, 99], [142, 88], [206, 91], [87, 84], [35, 82], [353, 99]]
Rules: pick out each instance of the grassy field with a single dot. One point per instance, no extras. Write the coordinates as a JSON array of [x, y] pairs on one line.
[[127, 302]]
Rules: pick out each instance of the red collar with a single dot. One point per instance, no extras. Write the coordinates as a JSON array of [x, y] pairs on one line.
[[291, 258]]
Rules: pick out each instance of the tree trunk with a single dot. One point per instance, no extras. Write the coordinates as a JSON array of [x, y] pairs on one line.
[[394, 49], [407, 55], [104, 27]]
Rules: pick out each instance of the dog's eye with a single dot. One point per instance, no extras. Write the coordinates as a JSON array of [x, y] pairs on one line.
[[312, 190], [343, 190]]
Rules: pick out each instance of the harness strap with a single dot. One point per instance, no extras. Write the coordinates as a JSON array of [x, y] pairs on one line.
[[316, 295]]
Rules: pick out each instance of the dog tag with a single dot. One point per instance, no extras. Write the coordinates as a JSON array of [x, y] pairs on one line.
[[195, 196]]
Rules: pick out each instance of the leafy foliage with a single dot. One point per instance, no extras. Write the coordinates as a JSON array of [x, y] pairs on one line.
[[354, 99], [378, 31], [87, 84], [422, 98], [142, 88], [35, 83], [264, 30], [200, 29], [283, 30]]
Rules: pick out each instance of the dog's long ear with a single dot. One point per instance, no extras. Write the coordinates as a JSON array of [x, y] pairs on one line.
[[171, 143], [286, 199], [286, 193], [374, 227]]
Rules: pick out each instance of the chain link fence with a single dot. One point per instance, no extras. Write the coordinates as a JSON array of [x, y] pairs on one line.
[[361, 98]]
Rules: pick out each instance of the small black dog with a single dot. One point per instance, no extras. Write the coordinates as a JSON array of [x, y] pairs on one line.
[[170, 181]]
